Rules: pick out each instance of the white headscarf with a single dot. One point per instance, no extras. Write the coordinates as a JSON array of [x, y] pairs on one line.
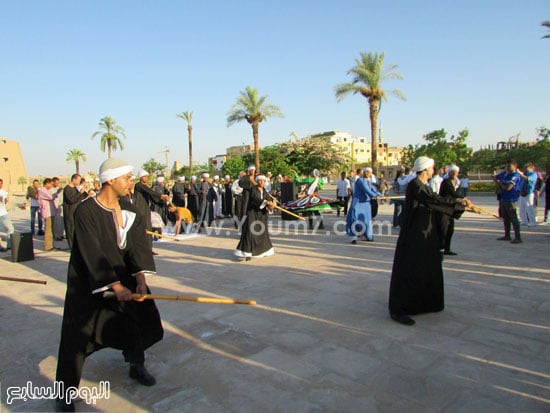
[[113, 168], [423, 162]]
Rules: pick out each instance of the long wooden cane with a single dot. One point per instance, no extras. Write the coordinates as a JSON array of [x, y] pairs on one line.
[[284, 210], [209, 300], [395, 197], [482, 210], [288, 212], [156, 234], [23, 280]]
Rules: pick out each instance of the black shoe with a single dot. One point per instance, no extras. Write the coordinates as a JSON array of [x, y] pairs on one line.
[[402, 319], [354, 242], [40, 232], [3, 249], [449, 253], [140, 373], [61, 406]]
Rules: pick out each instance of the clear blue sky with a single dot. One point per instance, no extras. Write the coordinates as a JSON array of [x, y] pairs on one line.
[[480, 65]]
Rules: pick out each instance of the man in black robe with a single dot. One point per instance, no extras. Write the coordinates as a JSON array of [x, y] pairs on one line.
[[255, 241], [227, 205], [417, 276], [237, 193], [72, 197], [192, 191], [247, 182], [148, 198], [110, 253], [164, 193], [449, 189], [178, 192]]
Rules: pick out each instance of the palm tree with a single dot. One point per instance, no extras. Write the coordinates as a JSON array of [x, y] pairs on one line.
[[76, 155], [368, 75], [188, 116], [254, 110], [546, 24], [109, 135]]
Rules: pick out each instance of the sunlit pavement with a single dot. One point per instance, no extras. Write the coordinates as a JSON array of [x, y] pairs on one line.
[[320, 338]]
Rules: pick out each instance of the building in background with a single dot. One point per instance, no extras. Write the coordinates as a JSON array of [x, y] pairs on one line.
[[12, 167], [217, 162], [358, 148], [241, 150]]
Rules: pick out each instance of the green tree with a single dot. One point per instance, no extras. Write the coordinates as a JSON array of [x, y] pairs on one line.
[[313, 153], [22, 181], [443, 150], [368, 75], [254, 109], [233, 166], [154, 167], [110, 135], [76, 155], [188, 117]]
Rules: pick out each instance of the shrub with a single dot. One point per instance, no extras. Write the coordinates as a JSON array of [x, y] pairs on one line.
[[482, 187]]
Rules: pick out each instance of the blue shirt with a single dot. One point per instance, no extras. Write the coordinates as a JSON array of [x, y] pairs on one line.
[[531, 181], [506, 179], [364, 190]]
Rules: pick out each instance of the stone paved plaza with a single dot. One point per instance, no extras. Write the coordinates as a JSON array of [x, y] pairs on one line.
[[320, 338]]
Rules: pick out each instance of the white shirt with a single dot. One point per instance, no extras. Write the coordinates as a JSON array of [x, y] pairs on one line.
[[435, 183], [3, 200], [342, 187]]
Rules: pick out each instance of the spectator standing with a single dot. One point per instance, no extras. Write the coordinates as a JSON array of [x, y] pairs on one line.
[[46, 199], [5, 220], [464, 186], [508, 183], [546, 191], [343, 193], [72, 197], [32, 196], [527, 195]]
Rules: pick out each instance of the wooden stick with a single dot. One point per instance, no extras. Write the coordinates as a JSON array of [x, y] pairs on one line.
[[275, 199], [288, 212], [484, 211], [156, 234], [209, 300], [23, 280], [395, 197]]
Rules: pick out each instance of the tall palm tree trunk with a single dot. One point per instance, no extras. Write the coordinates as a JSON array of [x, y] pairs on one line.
[[255, 135], [374, 106], [77, 166], [190, 134], [109, 150]]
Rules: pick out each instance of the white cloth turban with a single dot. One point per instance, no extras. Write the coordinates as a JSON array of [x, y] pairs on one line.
[[423, 162], [113, 168]]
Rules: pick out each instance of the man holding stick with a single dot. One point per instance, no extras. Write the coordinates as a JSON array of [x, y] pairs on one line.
[[416, 285], [110, 253]]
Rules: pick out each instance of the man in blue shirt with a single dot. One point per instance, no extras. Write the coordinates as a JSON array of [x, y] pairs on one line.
[[359, 219], [527, 195], [509, 184]]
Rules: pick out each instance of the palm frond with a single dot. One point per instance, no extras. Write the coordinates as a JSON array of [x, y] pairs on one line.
[[251, 107]]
